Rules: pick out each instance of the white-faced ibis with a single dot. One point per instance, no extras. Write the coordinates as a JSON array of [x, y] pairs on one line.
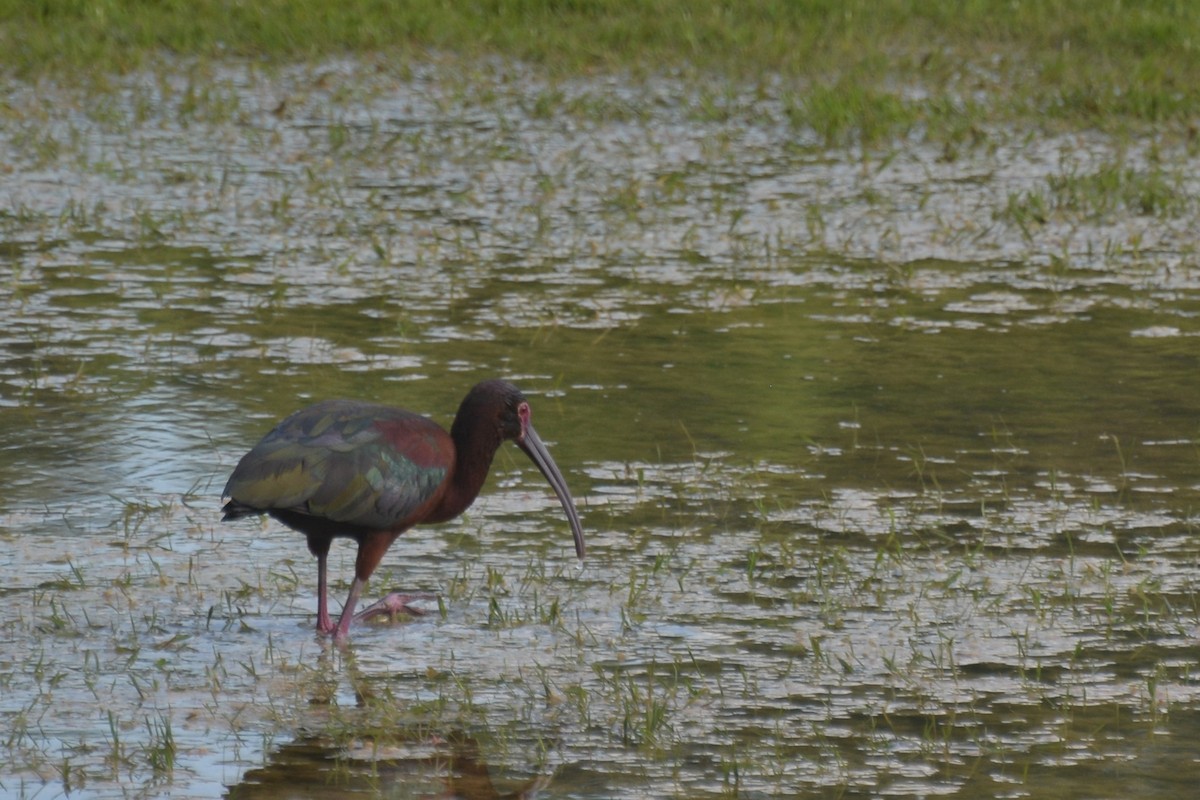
[[370, 472]]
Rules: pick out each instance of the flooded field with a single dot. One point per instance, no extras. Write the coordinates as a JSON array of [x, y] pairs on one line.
[[888, 459]]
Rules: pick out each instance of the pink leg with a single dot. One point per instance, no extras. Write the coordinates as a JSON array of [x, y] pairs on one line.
[[343, 627], [324, 623], [393, 604]]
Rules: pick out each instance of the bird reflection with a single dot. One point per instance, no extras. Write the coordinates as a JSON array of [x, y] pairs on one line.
[[433, 767]]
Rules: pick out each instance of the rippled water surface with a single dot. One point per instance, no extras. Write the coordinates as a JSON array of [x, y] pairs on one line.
[[889, 491]]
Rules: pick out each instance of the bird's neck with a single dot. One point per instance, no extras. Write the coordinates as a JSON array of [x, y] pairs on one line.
[[474, 448]]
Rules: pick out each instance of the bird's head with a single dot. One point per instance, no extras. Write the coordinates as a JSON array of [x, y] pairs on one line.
[[499, 406], [506, 405]]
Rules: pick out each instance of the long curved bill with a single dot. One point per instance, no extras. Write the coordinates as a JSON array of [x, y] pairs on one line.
[[538, 453]]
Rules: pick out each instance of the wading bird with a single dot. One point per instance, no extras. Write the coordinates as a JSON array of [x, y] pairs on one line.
[[370, 472]]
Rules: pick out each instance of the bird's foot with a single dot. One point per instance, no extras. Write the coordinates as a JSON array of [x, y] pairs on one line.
[[395, 603]]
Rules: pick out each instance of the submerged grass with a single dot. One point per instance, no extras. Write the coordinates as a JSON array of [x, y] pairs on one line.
[[868, 63], [1113, 190]]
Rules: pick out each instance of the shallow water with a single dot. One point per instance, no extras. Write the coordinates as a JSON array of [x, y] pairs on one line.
[[885, 494]]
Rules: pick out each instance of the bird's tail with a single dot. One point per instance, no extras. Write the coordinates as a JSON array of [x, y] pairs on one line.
[[235, 510]]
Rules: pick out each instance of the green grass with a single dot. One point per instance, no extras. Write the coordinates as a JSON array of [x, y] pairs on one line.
[[1112, 191], [1075, 60]]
